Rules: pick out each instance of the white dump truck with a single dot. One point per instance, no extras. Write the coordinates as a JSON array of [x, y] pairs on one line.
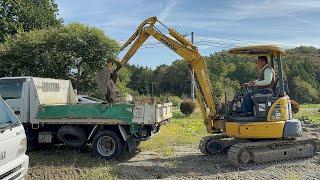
[[13, 145], [49, 112]]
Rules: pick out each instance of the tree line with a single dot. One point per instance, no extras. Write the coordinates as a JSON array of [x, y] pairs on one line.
[[35, 42], [227, 72]]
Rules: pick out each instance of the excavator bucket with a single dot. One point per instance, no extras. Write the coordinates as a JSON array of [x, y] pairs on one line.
[[107, 86]]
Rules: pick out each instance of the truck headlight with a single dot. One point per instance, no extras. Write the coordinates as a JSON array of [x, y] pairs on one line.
[[22, 147]]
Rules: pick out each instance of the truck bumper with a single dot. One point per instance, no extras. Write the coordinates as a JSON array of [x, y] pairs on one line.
[[16, 169]]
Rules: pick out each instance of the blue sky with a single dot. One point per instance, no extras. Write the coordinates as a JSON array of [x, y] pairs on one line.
[[216, 24]]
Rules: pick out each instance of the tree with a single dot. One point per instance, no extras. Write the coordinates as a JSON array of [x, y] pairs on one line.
[[304, 91], [221, 68], [141, 79], [176, 79], [76, 51], [25, 15], [124, 78]]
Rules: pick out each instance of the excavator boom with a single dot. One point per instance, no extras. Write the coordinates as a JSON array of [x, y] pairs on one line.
[[189, 52]]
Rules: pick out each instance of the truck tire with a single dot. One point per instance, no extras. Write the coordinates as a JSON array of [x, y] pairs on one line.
[[72, 136], [107, 145]]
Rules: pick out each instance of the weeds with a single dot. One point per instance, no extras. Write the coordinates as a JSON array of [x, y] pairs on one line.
[[182, 130], [310, 112]]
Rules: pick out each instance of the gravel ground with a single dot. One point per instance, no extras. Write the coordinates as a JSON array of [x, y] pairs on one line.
[[186, 162], [189, 163]]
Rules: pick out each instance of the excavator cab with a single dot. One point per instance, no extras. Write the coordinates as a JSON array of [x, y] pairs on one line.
[[271, 115], [260, 99], [270, 133]]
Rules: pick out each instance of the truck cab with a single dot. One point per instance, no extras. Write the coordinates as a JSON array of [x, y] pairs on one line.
[[25, 94], [13, 145], [11, 91]]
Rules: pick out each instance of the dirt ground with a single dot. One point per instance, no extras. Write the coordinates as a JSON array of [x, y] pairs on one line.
[[186, 162]]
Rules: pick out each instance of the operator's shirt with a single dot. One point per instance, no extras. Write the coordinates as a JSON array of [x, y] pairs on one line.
[[268, 76]]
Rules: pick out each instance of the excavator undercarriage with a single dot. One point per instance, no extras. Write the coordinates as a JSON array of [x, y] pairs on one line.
[[245, 152]]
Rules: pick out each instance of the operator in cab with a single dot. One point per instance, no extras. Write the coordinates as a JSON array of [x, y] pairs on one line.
[[262, 85]]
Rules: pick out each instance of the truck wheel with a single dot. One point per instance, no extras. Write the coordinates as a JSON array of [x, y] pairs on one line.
[[107, 144], [72, 136]]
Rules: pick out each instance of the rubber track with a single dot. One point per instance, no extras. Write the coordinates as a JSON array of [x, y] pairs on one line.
[[236, 149], [204, 140]]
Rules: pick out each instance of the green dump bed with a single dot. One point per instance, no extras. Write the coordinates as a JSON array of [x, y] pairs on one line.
[[122, 112]]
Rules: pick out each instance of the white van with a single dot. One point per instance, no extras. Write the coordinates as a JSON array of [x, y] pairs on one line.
[[13, 145]]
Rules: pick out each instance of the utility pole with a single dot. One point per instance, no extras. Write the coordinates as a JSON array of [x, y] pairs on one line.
[[152, 86], [192, 76]]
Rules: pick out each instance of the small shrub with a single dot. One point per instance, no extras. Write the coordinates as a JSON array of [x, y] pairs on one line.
[[295, 106], [176, 100], [161, 99], [187, 107]]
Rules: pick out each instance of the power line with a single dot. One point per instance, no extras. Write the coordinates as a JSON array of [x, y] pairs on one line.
[[217, 37], [216, 43], [232, 42], [241, 40]]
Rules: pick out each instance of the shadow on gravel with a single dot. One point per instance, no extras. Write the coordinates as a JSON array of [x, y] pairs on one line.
[[188, 165], [195, 165], [61, 155]]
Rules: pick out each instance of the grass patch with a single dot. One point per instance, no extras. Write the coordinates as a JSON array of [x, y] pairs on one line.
[[310, 105], [61, 162], [293, 177], [310, 112], [182, 130], [103, 172]]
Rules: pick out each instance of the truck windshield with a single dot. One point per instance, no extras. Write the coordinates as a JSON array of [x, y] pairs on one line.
[[7, 118], [11, 88]]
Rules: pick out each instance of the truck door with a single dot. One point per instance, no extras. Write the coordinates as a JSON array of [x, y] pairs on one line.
[[15, 92]]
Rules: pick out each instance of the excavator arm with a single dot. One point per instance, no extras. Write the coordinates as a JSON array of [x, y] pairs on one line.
[[187, 51]]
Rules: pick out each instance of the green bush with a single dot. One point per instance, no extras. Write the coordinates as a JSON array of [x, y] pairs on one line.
[[176, 100], [187, 107], [304, 91], [161, 99]]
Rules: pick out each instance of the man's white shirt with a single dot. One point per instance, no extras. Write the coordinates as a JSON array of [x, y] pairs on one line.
[[268, 75]]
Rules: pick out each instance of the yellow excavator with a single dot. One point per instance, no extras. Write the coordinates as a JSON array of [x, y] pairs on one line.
[[269, 134]]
